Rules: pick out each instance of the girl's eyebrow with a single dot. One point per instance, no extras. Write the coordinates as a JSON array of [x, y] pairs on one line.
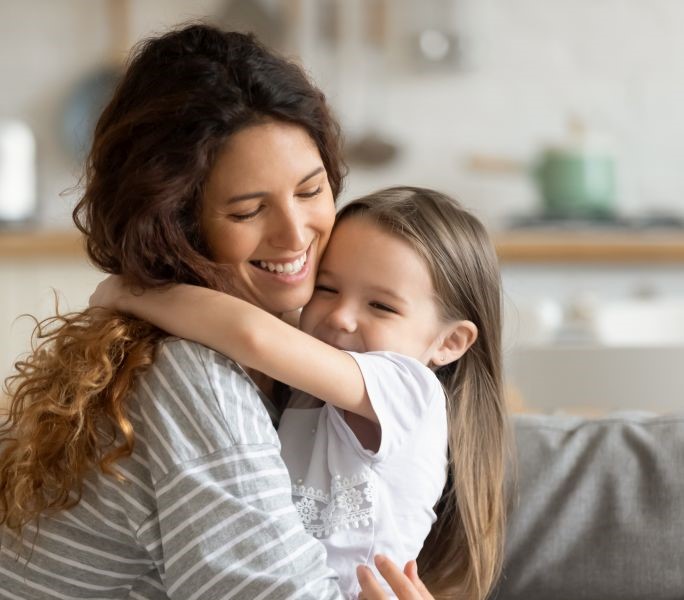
[[252, 195], [391, 293], [378, 289]]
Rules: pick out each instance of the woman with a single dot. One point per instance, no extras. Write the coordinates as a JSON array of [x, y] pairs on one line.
[[138, 467]]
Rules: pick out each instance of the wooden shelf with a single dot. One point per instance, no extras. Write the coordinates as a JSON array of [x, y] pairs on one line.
[[525, 247], [41, 244], [590, 247]]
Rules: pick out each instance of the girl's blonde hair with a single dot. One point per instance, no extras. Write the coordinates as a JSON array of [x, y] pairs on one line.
[[462, 555]]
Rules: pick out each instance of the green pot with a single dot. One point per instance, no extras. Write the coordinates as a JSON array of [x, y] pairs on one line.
[[576, 182]]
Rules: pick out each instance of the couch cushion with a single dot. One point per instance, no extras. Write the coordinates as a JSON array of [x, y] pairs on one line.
[[598, 510]]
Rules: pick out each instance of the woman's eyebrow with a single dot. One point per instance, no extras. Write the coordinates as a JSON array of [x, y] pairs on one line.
[[252, 195], [241, 197], [313, 173]]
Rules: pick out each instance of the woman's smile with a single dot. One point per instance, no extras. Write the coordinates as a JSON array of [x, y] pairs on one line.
[[268, 211], [282, 266]]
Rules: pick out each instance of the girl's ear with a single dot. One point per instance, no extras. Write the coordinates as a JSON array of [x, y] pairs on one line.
[[457, 337]]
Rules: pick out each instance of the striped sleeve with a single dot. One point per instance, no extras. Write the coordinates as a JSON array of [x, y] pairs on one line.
[[224, 526]]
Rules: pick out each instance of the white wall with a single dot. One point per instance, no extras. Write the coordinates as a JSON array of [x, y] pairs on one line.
[[529, 65]]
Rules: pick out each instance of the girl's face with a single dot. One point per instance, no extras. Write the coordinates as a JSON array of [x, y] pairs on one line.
[[374, 292], [268, 211]]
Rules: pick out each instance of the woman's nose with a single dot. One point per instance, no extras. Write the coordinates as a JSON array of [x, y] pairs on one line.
[[289, 229]]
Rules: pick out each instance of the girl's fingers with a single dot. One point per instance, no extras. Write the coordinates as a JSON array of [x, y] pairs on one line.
[[411, 571], [406, 585], [370, 588], [401, 585]]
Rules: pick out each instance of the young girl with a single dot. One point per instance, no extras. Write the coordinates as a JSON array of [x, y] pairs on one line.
[[396, 435]]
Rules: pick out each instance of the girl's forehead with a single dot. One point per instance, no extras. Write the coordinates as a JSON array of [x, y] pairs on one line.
[[361, 244], [363, 221], [365, 229]]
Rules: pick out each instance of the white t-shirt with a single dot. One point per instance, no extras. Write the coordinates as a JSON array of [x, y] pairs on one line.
[[358, 502]]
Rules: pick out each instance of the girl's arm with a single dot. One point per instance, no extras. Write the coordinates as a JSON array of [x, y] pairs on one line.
[[248, 335]]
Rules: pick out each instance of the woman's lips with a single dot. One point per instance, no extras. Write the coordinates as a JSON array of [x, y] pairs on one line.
[[289, 268], [286, 272]]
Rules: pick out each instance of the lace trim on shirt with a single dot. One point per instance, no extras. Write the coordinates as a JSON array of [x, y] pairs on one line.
[[350, 503]]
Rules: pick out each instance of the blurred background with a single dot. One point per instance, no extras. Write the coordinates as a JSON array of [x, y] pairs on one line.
[[558, 122]]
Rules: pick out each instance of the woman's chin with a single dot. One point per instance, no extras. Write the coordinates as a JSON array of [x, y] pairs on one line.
[[287, 303]]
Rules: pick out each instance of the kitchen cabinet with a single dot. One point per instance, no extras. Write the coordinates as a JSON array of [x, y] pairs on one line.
[[594, 323], [594, 379]]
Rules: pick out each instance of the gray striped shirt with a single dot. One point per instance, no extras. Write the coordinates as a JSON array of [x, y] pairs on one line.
[[205, 511]]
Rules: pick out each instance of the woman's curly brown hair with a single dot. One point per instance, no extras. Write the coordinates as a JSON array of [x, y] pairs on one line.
[[60, 426], [182, 96]]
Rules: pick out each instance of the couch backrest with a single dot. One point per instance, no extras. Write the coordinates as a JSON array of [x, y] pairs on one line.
[[598, 509]]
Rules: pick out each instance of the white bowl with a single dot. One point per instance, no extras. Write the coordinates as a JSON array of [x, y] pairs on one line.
[[657, 322]]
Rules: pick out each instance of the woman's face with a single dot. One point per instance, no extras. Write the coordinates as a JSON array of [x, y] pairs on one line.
[[268, 211]]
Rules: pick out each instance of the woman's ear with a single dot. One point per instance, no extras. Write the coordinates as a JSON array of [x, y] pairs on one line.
[[457, 337]]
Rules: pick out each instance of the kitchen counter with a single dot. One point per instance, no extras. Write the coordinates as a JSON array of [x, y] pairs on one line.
[[519, 246]]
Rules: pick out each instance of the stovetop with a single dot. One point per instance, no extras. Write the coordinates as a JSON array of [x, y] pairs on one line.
[[614, 222]]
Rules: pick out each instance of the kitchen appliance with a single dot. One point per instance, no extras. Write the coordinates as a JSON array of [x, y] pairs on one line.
[[17, 172], [577, 178]]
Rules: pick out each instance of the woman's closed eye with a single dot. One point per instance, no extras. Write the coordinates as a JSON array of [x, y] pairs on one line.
[[312, 193], [248, 215]]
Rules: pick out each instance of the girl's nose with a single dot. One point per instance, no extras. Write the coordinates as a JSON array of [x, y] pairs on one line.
[[342, 318]]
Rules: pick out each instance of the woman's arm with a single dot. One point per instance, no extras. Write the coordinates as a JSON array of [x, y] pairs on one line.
[[248, 335]]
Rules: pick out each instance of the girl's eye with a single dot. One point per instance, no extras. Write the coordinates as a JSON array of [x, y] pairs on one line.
[[247, 216], [311, 194], [383, 307], [325, 288]]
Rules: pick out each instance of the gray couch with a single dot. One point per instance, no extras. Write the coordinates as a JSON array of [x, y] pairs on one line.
[[598, 509]]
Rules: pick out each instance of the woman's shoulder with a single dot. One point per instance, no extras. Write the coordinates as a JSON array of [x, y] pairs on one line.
[[187, 377], [188, 355], [216, 375]]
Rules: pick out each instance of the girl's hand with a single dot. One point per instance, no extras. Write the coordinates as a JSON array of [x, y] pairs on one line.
[[406, 585], [109, 293]]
